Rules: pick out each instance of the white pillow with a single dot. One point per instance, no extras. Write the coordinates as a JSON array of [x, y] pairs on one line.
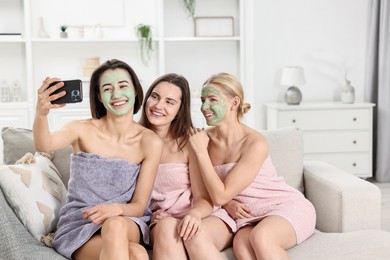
[[35, 192]]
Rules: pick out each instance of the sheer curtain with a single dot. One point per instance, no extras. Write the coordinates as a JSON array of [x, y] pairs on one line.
[[378, 84]]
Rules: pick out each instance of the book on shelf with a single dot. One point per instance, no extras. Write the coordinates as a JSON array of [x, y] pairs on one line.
[[10, 35]]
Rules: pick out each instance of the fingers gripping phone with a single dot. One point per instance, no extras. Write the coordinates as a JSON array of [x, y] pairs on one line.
[[74, 92]]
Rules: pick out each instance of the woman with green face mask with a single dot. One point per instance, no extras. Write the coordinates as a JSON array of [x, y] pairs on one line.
[[270, 216], [113, 167]]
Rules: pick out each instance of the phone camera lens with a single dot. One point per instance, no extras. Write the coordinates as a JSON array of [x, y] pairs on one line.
[[75, 95]]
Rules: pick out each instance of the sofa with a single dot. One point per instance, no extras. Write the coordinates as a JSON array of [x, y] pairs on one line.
[[348, 208]]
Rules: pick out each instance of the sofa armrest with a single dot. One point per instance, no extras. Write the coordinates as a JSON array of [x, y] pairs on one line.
[[343, 202]]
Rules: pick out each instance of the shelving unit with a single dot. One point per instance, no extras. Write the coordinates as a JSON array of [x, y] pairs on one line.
[[29, 58]]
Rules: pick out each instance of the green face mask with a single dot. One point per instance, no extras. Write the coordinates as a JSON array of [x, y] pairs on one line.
[[117, 91], [214, 102]]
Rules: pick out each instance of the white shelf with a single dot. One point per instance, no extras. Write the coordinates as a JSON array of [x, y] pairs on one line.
[[70, 40], [29, 58], [201, 39]]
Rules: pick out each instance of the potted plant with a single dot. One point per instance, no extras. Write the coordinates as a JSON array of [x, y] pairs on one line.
[[144, 34], [63, 33], [190, 7]]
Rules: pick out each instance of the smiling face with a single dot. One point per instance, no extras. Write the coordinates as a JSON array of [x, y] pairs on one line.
[[117, 91], [163, 104], [214, 107]]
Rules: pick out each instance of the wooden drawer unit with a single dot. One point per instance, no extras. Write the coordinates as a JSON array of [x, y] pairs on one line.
[[340, 134]]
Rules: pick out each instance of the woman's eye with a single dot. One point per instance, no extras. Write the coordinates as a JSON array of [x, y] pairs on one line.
[[123, 86]]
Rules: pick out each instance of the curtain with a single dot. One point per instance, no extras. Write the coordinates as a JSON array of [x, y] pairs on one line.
[[377, 88]]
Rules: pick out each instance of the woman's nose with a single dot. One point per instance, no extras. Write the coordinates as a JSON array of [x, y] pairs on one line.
[[116, 93]]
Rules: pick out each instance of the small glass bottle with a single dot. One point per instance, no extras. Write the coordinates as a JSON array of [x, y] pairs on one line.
[[16, 91], [347, 93], [5, 91]]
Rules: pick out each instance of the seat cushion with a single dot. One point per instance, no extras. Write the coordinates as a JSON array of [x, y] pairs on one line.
[[363, 245]]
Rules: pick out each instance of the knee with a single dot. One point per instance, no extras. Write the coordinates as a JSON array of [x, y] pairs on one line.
[[259, 239], [165, 231], [113, 227], [165, 228], [138, 252]]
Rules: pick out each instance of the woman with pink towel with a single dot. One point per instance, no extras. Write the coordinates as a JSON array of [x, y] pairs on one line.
[[239, 176], [179, 199]]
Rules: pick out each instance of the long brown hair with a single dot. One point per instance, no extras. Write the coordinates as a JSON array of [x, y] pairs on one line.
[[182, 123], [97, 108]]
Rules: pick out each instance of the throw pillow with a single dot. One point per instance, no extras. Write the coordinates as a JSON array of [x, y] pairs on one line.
[[35, 192], [19, 141]]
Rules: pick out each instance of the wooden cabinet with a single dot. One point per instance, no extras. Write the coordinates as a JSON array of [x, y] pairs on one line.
[[340, 134]]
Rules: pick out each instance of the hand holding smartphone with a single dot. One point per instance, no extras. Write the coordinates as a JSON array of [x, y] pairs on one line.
[[74, 92]]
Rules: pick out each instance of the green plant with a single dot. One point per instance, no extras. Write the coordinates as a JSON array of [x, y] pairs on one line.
[[144, 34], [63, 28], [190, 7]]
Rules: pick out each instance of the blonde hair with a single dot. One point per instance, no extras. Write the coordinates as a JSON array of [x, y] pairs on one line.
[[232, 86]]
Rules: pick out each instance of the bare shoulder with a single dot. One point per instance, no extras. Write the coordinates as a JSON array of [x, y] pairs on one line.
[[255, 140], [149, 138]]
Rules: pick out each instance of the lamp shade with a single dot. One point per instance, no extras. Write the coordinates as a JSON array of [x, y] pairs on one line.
[[292, 76]]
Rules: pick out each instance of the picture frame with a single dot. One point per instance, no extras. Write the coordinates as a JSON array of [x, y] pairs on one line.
[[214, 26]]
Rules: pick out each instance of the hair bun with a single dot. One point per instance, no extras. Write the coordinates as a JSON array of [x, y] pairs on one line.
[[245, 107]]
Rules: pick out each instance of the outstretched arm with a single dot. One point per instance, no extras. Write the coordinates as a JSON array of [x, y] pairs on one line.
[[44, 140]]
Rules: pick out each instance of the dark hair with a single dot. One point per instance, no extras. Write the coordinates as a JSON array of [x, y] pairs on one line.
[[182, 123], [97, 108]]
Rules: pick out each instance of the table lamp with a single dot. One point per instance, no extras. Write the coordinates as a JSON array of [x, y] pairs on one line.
[[292, 76]]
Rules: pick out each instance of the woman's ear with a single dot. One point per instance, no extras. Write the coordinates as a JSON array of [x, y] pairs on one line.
[[235, 103]]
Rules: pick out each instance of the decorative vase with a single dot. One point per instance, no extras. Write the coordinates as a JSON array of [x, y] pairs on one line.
[[98, 31], [42, 31], [347, 93], [5, 91], [16, 91]]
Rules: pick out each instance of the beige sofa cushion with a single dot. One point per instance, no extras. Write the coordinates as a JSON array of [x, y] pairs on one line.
[[286, 152], [19, 141]]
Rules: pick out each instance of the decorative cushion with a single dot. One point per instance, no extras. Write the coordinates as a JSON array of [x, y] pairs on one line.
[[35, 192], [286, 152], [19, 141]]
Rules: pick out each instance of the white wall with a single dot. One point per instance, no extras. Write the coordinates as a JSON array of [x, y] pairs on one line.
[[323, 36]]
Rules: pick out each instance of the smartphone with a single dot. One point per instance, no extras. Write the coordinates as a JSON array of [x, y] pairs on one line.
[[74, 92]]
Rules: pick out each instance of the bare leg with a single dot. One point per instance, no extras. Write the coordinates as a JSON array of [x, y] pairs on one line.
[[214, 236], [116, 241], [166, 242], [90, 250], [137, 251], [241, 244], [269, 239]]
